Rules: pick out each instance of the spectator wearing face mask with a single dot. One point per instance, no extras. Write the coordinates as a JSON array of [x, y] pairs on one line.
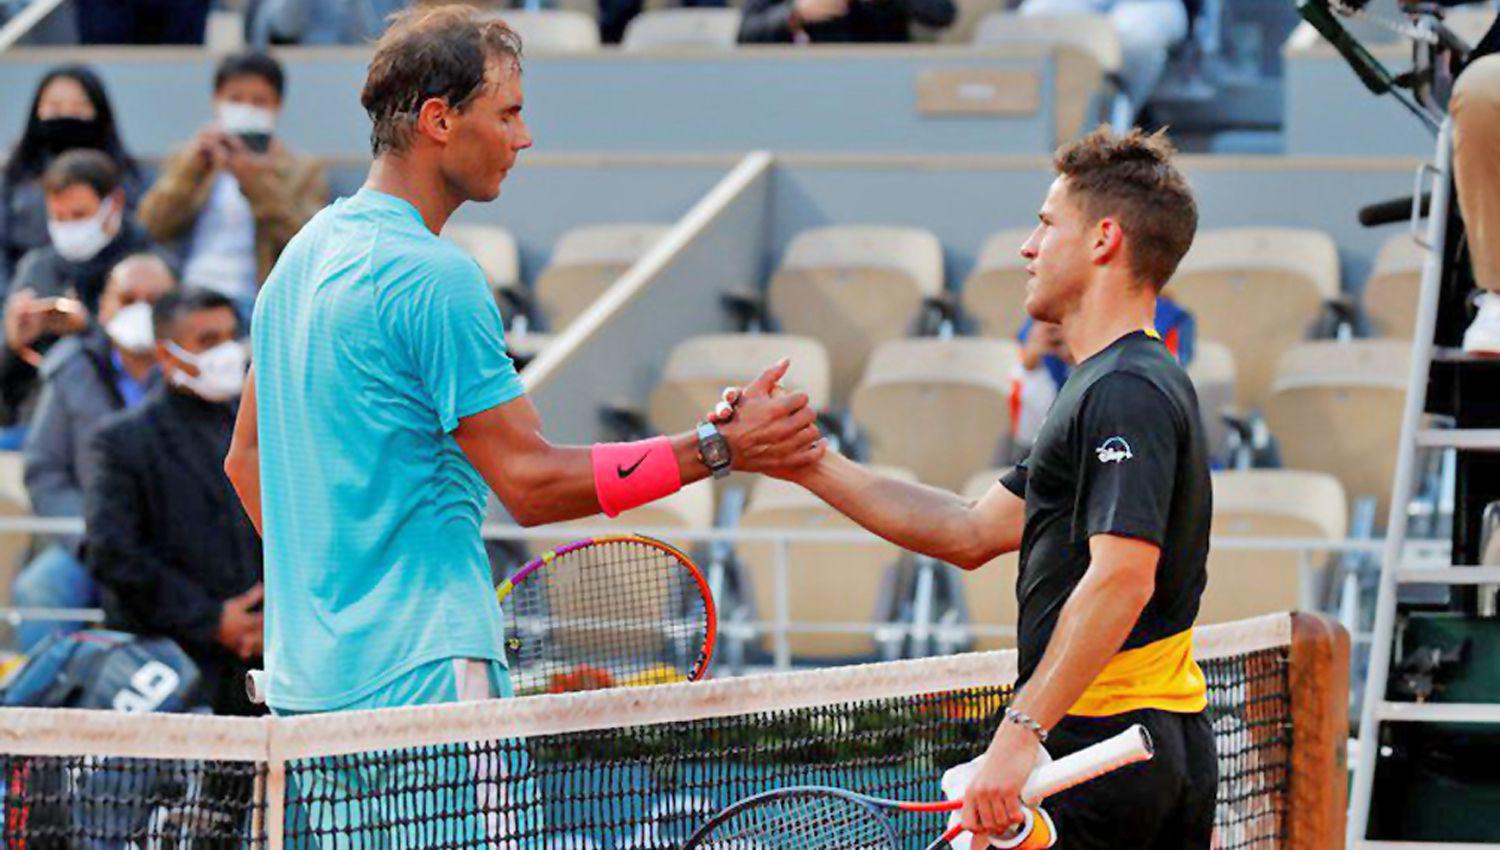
[[172, 550], [69, 110], [85, 379], [57, 287], [235, 195]]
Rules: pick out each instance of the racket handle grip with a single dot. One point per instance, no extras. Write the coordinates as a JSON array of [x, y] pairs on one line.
[[255, 686], [1128, 747]]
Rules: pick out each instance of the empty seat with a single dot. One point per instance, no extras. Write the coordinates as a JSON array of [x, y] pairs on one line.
[[665, 29], [1336, 407], [994, 294], [554, 30], [1212, 374], [1270, 503], [990, 591], [1258, 291], [698, 370], [1086, 48], [938, 407], [854, 287], [493, 248], [1390, 296], [585, 262], [14, 502], [826, 582], [691, 508]]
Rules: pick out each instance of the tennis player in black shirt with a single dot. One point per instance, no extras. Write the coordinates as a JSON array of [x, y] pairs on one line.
[[1111, 515]]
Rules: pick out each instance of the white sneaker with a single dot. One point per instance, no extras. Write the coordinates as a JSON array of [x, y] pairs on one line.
[[1483, 336]]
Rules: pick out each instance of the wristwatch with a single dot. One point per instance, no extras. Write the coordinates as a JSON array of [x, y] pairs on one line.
[[713, 449]]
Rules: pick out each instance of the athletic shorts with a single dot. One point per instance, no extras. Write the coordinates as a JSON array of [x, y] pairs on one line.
[[1166, 803], [459, 796]]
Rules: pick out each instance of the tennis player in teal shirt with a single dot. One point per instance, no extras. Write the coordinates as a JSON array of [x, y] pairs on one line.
[[383, 408]]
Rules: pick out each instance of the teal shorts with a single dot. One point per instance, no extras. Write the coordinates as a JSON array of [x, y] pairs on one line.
[[478, 795]]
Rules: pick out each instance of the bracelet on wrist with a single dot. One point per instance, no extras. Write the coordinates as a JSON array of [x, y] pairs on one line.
[[1023, 720]]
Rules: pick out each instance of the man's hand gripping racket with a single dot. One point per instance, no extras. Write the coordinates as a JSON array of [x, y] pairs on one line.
[[822, 818]]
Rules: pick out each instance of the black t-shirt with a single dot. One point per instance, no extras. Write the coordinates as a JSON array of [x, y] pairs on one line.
[[1121, 452]]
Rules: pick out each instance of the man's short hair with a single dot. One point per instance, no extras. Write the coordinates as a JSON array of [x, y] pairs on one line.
[[426, 53], [251, 63], [141, 258], [181, 302], [1131, 179], [82, 167]]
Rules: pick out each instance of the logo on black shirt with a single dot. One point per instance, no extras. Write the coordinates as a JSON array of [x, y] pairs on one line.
[[1114, 450]]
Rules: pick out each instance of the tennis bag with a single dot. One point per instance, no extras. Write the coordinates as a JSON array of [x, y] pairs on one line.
[[98, 668]]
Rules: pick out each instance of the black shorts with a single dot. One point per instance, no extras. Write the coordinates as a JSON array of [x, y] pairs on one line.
[[1167, 802]]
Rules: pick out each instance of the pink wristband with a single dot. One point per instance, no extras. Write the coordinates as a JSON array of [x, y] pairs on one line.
[[628, 475]]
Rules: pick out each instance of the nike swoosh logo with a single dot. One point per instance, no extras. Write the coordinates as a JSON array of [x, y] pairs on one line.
[[626, 472]]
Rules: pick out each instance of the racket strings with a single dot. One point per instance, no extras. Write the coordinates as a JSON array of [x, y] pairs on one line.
[[812, 821], [604, 611]]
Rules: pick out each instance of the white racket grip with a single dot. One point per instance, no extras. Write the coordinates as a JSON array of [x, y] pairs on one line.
[[1128, 747], [255, 686]]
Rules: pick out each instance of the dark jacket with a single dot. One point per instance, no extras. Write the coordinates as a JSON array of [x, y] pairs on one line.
[[867, 21], [47, 274], [80, 389], [167, 539]]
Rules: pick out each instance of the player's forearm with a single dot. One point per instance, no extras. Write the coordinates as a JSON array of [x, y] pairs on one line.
[[558, 484], [1092, 627], [913, 516], [242, 465]]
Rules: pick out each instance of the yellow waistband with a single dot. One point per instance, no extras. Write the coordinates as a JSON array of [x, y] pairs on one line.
[[1160, 675]]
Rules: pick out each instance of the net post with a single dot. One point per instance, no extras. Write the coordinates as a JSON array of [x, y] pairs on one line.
[[1319, 679]]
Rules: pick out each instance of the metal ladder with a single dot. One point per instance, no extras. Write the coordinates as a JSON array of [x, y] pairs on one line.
[[1376, 709]]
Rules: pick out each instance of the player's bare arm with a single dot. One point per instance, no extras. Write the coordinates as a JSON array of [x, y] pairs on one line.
[[242, 464]]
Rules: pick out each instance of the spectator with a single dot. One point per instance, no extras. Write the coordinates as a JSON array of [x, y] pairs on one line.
[[1475, 107], [235, 193], [69, 110], [1046, 364], [803, 21], [615, 15], [57, 287], [270, 22], [142, 21], [173, 552], [84, 379], [1148, 29]]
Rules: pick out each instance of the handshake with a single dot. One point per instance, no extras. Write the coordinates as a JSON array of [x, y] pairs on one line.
[[769, 430]]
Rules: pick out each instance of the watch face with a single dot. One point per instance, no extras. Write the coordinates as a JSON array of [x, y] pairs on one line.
[[716, 452]]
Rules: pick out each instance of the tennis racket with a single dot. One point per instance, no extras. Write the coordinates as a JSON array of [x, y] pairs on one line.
[[821, 818], [607, 612]]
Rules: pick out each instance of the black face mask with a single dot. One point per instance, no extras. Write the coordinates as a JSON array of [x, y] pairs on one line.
[[60, 134]]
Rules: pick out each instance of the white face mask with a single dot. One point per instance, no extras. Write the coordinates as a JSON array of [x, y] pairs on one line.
[[131, 329], [242, 118], [82, 240], [221, 371]]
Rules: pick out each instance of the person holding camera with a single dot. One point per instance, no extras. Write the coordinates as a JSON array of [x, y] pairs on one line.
[[234, 195]]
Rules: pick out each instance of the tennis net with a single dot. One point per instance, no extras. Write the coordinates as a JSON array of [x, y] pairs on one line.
[[638, 769]]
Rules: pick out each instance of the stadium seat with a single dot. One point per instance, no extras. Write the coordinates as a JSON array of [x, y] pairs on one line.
[[585, 262], [1212, 374], [1390, 296], [1336, 407], [827, 582], [938, 407], [1087, 50], [1270, 503], [555, 30], [14, 502], [691, 508], [854, 287], [493, 248], [990, 591], [994, 295], [676, 29], [1258, 291], [698, 370]]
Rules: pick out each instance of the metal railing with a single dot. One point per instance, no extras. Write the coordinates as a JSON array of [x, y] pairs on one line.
[[924, 629]]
